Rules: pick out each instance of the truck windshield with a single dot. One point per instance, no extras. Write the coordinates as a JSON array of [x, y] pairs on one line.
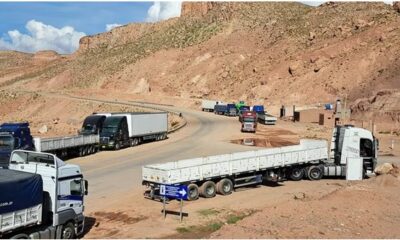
[[88, 129], [248, 119], [6, 143], [109, 129]]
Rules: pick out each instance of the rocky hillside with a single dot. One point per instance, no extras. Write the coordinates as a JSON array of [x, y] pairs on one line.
[[270, 53]]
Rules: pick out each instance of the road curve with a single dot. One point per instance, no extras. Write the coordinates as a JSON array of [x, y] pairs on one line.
[[113, 173]]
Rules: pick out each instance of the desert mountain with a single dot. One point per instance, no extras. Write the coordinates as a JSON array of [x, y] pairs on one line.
[[268, 52]]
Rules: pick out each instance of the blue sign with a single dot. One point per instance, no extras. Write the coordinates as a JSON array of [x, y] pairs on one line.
[[170, 191]]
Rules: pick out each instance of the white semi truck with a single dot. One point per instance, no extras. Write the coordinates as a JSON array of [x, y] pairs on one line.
[[41, 197], [208, 105], [206, 176]]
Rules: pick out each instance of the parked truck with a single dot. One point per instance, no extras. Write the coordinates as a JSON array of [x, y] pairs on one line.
[[220, 109], [249, 121], [231, 110], [208, 105], [41, 197], [266, 118], [18, 136], [206, 176], [131, 129]]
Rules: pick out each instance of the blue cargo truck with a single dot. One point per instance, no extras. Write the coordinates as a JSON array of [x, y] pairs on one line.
[[259, 109], [14, 136], [231, 110], [220, 109]]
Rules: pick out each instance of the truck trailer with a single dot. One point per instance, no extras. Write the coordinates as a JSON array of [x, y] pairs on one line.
[[41, 197], [208, 105], [207, 176], [131, 129], [18, 136], [266, 118]]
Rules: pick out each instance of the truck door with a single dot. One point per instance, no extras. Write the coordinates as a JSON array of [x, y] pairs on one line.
[[70, 195]]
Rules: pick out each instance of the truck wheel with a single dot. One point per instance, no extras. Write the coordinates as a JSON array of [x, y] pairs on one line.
[[315, 172], [135, 141], [193, 192], [80, 152], [68, 231], [208, 189], [225, 186], [20, 236], [296, 173], [117, 146]]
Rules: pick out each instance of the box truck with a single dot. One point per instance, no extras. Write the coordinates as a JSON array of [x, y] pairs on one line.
[[208, 105]]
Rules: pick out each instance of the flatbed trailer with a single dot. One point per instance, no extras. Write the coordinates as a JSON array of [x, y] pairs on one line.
[[242, 168], [206, 176], [80, 145]]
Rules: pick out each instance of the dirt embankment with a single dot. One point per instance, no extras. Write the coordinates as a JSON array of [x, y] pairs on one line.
[[58, 115], [368, 209]]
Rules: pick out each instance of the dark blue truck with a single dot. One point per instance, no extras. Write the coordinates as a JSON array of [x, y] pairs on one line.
[[14, 136]]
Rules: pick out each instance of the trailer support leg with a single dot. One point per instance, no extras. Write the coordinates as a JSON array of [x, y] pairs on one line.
[[180, 213]]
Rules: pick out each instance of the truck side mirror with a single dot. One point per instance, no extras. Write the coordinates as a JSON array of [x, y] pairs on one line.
[[86, 187]]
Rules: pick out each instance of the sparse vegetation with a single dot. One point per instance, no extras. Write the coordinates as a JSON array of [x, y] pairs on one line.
[[208, 212]]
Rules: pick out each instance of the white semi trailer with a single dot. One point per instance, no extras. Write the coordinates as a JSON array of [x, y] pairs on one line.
[[206, 176], [130, 129], [41, 197], [208, 105]]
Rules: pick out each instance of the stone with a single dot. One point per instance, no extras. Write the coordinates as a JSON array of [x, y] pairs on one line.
[[385, 168], [299, 195], [311, 36], [43, 129]]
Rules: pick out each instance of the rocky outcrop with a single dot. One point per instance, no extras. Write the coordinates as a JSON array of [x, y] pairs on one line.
[[396, 6], [196, 9]]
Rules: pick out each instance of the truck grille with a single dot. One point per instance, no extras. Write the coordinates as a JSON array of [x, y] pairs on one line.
[[104, 140]]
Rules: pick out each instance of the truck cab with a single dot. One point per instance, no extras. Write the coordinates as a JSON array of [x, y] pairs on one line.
[[92, 124], [115, 133], [62, 198], [352, 142], [249, 121], [14, 136]]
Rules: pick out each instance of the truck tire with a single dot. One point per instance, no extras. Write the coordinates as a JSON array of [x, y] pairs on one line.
[[68, 231], [208, 189], [225, 186], [117, 146], [135, 142], [193, 192], [20, 236], [80, 152], [315, 172], [296, 173]]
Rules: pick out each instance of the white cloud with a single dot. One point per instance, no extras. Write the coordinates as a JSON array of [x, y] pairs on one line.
[[42, 37], [111, 26], [163, 10]]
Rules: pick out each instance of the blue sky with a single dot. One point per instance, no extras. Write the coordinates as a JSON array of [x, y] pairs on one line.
[[85, 17], [58, 26]]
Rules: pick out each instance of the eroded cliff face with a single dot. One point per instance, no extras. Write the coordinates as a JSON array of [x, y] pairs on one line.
[[268, 53]]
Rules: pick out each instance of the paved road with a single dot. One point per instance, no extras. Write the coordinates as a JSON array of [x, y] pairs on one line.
[[113, 173]]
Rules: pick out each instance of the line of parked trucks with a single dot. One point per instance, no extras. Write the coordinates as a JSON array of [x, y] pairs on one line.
[[43, 197], [99, 131], [248, 116]]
